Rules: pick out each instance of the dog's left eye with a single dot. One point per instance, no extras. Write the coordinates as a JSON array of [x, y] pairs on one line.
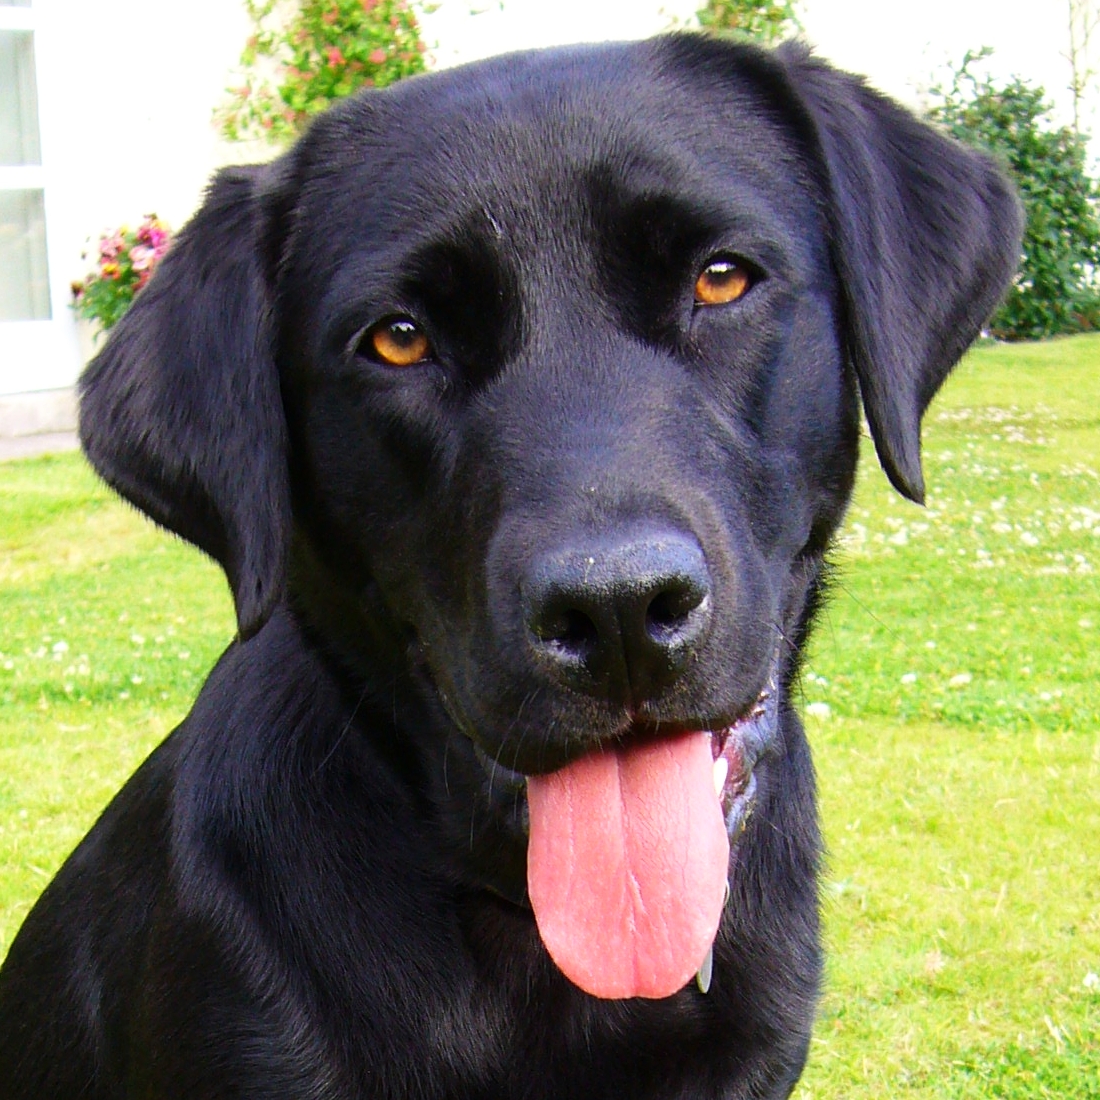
[[396, 342], [723, 280]]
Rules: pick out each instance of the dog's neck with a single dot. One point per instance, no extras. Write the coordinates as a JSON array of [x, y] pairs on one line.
[[360, 636]]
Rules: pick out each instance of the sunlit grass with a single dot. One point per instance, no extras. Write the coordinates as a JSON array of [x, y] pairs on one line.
[[958, 666], [107, 630], [954, 689]]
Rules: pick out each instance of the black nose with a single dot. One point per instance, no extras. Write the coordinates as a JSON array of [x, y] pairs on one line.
[[619, 619]]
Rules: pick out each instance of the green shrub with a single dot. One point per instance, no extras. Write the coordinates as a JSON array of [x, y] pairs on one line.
[[766, 21], [1056, 290], [294, 66]]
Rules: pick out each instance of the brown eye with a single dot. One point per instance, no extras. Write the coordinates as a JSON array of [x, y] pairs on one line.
[[398, 342], [722, 281]]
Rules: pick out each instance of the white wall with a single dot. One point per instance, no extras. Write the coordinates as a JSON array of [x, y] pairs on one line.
[[127, 90], [126, 93], [904, 47]]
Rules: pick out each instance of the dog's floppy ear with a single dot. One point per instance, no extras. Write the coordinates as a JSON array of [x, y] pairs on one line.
[[926, 237], [181, 411]]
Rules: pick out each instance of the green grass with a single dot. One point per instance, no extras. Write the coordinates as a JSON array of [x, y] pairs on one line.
[[107, 629], [959, 662], [955, 691]]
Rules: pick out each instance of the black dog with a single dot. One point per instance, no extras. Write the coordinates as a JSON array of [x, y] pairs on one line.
[[520, 404]]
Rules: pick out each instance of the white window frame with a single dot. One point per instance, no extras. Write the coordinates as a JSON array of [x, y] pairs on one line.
[[45, 354]]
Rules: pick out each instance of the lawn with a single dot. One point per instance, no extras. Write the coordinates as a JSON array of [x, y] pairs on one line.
[[952, 697]]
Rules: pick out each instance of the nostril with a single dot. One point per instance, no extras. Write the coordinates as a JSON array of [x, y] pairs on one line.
[[567, 630], [671, 615]]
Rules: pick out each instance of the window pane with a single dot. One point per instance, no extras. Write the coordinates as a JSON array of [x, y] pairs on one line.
[[18, 100], [24, 278]]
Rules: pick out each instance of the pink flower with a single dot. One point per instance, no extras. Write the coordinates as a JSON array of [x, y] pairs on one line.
[[110, 247], [377, 57], [335, 56], [154, 234], [142, 257]]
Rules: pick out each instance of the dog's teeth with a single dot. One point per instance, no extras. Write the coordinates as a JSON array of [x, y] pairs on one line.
[[721, 770], [702, 979]]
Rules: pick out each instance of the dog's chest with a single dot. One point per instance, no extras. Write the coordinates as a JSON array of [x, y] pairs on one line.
[[527, 1036]]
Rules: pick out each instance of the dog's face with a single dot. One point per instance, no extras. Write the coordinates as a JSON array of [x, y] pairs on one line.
[[540, 382], [580, 415]]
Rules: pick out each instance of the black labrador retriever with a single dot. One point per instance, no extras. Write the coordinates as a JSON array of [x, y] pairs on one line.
[[520, 404]]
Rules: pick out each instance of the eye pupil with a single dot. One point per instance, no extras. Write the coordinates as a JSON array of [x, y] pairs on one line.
[[722, 281], [397, 342]]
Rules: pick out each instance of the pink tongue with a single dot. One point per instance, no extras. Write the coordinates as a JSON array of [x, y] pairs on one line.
[[627, 866]]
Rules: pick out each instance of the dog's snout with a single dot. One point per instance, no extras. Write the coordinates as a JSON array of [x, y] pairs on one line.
[[620, 619]]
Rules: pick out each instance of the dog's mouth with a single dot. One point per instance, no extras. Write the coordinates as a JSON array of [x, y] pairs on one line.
[[628, 853]]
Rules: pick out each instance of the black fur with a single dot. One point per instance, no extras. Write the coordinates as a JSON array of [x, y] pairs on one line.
[[315, 887]]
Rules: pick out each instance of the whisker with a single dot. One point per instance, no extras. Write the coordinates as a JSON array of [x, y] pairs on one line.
[[511, 726], [340, 737], [866, 608]]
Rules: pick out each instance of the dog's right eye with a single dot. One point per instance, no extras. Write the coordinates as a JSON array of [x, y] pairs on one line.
[[724, 280], [396, 342]]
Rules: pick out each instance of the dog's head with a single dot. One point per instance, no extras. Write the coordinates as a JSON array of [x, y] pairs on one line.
[[540, 379]]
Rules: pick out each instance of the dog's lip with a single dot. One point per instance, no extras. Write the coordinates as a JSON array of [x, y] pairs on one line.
[[738, 748], [740, 745]]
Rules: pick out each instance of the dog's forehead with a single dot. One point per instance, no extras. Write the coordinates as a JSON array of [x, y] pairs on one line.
[[516, 133]]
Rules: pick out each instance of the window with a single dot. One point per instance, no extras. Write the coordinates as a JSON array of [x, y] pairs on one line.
[[24, 273]]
